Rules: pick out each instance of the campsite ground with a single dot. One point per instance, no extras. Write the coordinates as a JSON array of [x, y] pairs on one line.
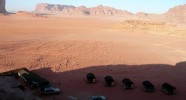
[[65, 48]]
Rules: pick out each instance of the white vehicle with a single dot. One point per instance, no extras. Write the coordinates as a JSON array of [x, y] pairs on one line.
[[97, 97]]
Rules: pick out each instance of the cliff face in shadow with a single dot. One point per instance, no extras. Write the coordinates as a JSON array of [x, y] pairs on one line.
[[73, 83], [2, 6]]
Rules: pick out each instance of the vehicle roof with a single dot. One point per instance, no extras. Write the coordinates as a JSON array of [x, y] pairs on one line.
[[27, 75], [33, 77]]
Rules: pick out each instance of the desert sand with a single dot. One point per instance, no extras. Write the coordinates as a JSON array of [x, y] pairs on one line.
[[65, 48]]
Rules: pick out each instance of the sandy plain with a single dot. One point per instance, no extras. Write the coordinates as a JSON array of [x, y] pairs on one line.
[[65, 48]]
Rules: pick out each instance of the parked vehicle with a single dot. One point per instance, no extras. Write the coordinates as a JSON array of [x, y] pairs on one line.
[[49, 91], [91, 78], [97, 97], [31, 79], [34, 84], [109, 81], [168, 89], [148, 86], [127, 83]]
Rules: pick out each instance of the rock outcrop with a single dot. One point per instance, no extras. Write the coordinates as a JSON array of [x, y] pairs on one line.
[[139, 25], [52, 8], [29, 14], [176, 14], [82, 10], [2, 6], [109, 11], [141, 14]]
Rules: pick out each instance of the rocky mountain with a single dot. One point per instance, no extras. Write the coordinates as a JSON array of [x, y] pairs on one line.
[[82, 10], [174, 15], [2, 6], [177, 13], [52, 8]]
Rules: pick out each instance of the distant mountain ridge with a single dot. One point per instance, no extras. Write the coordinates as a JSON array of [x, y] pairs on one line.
[[82, 10], [175, 14]]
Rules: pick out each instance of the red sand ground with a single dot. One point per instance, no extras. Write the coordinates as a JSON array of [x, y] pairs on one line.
[[65, 49]]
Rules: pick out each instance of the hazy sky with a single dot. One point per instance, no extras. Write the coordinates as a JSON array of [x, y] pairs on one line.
[[149, 6]]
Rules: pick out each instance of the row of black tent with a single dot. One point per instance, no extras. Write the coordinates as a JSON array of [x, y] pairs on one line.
[[128, 84]]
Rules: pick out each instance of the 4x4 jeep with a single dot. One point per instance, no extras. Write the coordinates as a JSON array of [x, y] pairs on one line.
[[49, 91]]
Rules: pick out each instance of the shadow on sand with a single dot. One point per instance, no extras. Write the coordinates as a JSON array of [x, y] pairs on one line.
[[72, 83]]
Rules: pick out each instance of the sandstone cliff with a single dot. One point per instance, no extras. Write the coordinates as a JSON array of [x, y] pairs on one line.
[[2, 6]]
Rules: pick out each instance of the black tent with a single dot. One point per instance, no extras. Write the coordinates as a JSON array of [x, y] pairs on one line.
[[148, 86], [127, 83], [91, 78], [109, 81], [168, 89]]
